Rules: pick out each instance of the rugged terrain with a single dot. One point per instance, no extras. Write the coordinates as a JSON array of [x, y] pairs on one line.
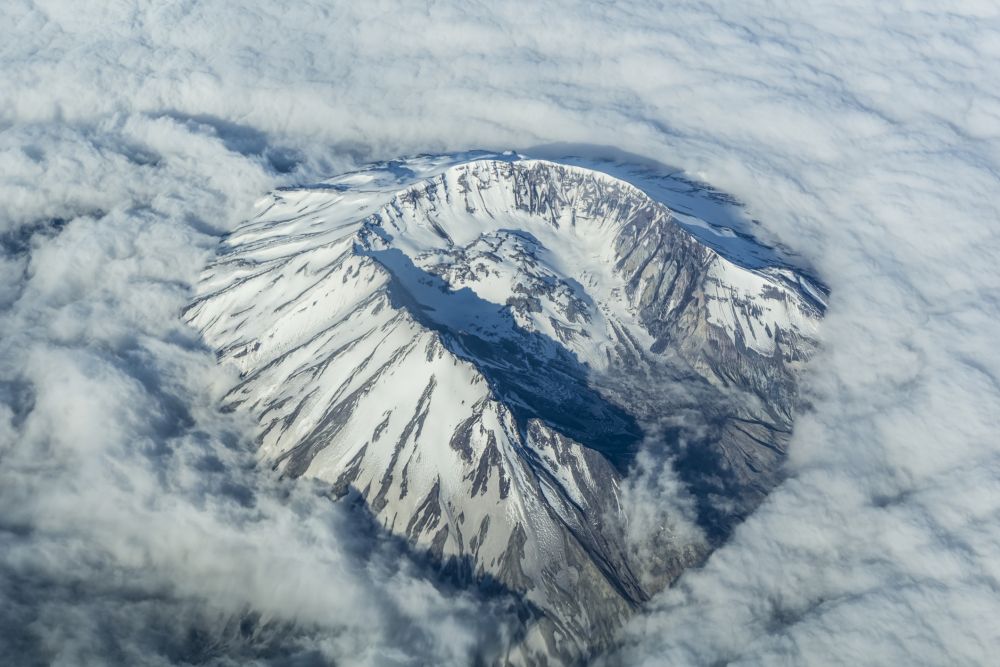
[[478, 348]]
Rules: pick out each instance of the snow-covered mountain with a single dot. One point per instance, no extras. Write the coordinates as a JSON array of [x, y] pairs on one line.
[[477, 346]]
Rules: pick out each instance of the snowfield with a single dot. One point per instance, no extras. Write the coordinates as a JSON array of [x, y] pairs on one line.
[[456, 339]]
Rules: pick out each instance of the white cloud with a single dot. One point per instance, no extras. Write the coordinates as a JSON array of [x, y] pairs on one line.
[[866, 138]]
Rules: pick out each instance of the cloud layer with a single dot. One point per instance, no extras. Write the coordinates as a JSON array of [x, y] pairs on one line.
[[135, 528]]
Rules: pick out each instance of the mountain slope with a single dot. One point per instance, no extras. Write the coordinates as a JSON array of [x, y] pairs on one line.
[[477, 349]]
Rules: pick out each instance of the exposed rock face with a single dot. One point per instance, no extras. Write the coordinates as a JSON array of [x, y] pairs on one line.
[[478, 349]]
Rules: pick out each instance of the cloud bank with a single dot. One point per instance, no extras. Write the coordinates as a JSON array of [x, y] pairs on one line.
[[135, 527]]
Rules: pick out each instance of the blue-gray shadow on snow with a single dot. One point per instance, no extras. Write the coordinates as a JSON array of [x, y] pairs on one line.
[[535, 376]]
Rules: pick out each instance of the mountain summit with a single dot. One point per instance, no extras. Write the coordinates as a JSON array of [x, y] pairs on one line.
[[481, 349]]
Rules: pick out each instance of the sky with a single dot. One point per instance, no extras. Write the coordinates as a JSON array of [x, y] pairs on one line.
[[865, 138]]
